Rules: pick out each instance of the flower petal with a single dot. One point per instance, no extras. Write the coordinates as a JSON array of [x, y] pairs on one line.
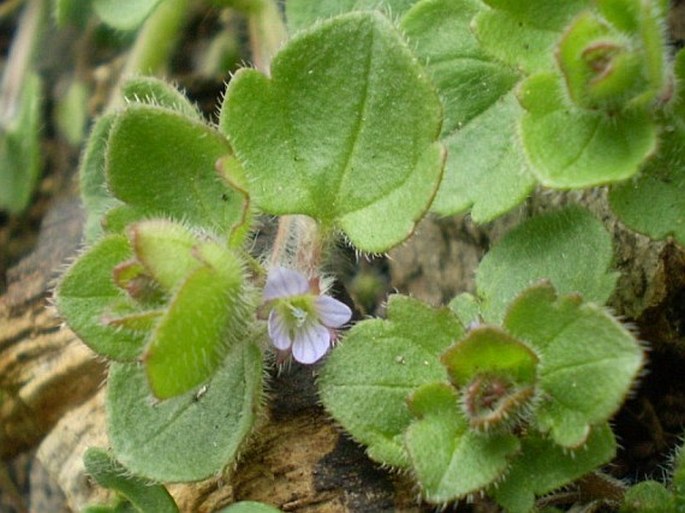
[[278, 331], [282, 282], [311, 343], [331, 312]]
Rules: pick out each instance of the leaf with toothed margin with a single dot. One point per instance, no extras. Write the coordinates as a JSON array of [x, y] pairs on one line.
[[310, 146], [486, 169], [366, 380], [189, 437], [86, 293], [449, 460], [543, 467], [588, 361], [303, 13]]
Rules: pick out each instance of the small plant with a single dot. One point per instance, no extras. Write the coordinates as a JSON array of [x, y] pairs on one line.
[[370, 115]]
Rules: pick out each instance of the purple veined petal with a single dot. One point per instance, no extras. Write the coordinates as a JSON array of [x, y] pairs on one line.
[[331, 312], [282, 282], [278, 331], [311, 342]]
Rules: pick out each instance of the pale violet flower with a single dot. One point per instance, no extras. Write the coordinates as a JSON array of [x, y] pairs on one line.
[[301, 321]]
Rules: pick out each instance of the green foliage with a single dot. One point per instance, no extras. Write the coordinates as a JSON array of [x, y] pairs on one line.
[[124, 14], [485, 168], [19, 145], [249, 507], [163, 163], [87, 292], [366, 380], [144, 497], [579, 387], [303, 13], [189, 437], [570, 248], [311, 147]]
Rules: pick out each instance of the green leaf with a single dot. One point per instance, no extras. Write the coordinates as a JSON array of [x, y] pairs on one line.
[[488, 349], [94, 192], [467, 308], [249, 507], [87, 293], [20, 146], [597, 147], [163, 163], [145, 496], [165, 249], [523, 33], [485, 168], [652, 203], [678, 479], [71, 111], [190, 437], [303, 13], [195, 332], [570, 248], [71, 11], [153, 91], [311, 147], [588, 361], [366, 380], [543, 466], [124, 14], [648, 497], [450, 461]]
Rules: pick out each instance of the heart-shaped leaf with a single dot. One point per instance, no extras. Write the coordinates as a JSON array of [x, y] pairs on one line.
[[448, 459], [366, 380], [485, 168], [310, 146], [189, 437], [588, 361], [570, 248]]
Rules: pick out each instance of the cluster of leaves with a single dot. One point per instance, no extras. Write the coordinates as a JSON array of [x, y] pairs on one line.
[[508, 391], [516, 403]]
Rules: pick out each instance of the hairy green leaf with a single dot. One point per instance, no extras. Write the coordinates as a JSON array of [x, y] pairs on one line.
[[310, 146], [249, 507], [596, 148], [86, 294], [189, 437], [543, 466], [588, 361], [448, 459], [163, 163], [145, 496], [366, 380], [570, 248], [154, 91], [523, 33], [303, 13], [485, 169]]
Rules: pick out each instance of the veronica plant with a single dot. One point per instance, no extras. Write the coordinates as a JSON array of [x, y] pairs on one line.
[[369, 115]]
